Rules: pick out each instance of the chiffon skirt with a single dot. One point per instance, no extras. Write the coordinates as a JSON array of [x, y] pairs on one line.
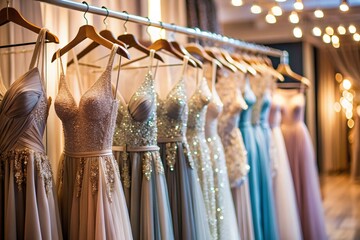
[[186, 200], [284, 193], [29, 208], [268, 213], [253, 177], [92, 203], [304, 172], [146, 194]]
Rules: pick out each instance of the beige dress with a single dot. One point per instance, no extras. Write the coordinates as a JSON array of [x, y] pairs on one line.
[[29, 208]]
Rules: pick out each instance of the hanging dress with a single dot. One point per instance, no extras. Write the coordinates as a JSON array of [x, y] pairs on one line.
[[29, 208], [250, 145], [92, 202], [302, 164], [284, 193], [142, 172], [186, 200], [199, 149], [228, 87], [267, 205]]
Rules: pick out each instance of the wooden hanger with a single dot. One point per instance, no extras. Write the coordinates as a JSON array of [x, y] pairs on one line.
[[237, 57], [183, 50], [9, 14], [107, 34], [286, 70], [214, 53], [131, 41], [228, 58], [88, 31], [198, 50]]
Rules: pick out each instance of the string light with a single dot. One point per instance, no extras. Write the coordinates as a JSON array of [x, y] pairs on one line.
[[316, 31], [326, 38], [346, 84], [298, 5], [356, 37], [337, 107], [336, 45], [256, 9], [237, 3], [350, 123], [276, 10], [294, 17], [352, 29], [271, 19], [297, 32], [344, 7], [318, 13], [329, 31], [341, 30], [335, 39]]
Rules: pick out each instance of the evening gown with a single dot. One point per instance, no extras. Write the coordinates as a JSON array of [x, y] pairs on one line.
[[186, 200], [92, 202], [142, 172], [249, 141], [302, 164], [29, 208], [228, 88], [225, 214], [199, 149], [283, 186], [260, 122]]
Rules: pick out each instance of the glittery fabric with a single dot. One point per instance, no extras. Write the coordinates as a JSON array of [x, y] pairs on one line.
[[89, 176], [142, 171], [200, 151], [186, 200], [27, 193], [225, 211]]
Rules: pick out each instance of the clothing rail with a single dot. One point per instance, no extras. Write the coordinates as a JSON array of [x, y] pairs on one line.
[[171, 27]]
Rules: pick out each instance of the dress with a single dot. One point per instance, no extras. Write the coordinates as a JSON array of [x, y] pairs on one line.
[[142, 172], [283, 186], [199, 149], [260, 123], [92, 202], [29, 207], [302, 164], [249, 141], [235, 153], [186, 200]]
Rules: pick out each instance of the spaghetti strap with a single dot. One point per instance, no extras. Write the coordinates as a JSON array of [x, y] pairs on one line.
[[152, 53], [39, 47], [110, 65], [185, 64], [60, 61]]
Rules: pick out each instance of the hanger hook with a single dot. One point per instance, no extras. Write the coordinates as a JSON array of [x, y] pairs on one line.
[[161, 29], [107, 14], [7, 9], [172, 34], [87, 9], [147, 28], [127, 19], [196, 37]]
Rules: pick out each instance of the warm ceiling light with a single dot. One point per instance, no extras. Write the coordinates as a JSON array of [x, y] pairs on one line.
[[318, 13], [335, 39], [341, 30], [350, 123], [336, 45], [352, 29], [329, 31], [237, 3], [280, 0], [255, 9], [297, 32], [356, 37], [270, 18], [294, 17], [316, 31], [346, 84], [344, 7], [276, 10], [298, 5], [326, 38]]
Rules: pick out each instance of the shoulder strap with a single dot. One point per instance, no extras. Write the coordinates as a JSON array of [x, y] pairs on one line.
[[110, 65], [60, 61], [185, 64], [39, 47], [152, 53]]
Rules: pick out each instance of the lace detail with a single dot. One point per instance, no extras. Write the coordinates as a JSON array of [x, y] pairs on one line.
[[110, 175], [125, 173], [40, 113], [20, 159], [188, 155], [94, 175], [170, 154], [146, 165], [79, 176], [158, 164]]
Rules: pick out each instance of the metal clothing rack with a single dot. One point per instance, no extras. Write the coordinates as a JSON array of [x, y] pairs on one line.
[[256, 48]]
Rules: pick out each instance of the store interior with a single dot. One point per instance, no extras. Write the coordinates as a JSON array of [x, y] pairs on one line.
[[180, 119]]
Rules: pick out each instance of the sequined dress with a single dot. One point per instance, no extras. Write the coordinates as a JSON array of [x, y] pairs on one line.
[[228, 87], [199, 149], [261, 109], [28, 201], [186, 200], [142, 172], [225, 210], [92, 202]]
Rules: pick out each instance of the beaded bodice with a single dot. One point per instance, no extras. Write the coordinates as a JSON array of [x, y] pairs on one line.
[[88, 126], [172, 112], [197, 107], [250, 99], [136, 121], [293, 111]]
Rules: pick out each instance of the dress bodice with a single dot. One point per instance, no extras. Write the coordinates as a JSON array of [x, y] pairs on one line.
[[89, 125], [293, 111], [250, 99], [24, 108], [198, 103], [275, 111], [265, 108]]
